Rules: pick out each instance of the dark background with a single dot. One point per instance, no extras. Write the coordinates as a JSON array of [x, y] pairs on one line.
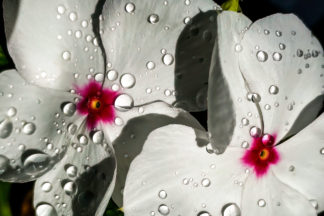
[[310, 11]]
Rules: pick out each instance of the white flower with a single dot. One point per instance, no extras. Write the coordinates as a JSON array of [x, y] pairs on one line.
[[67, 105], [259, 105]]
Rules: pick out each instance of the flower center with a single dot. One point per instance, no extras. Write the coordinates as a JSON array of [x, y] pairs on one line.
[[94, 104], [264, 154]]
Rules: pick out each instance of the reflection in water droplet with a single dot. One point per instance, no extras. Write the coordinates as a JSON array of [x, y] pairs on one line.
[[129, 7], [153, 18], [45, 210], [124, 102], [127, 80], [262, 56], [167, 59], [231, 209], [6, 128], [164, 210]]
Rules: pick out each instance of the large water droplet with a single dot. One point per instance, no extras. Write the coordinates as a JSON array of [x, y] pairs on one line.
[[124, 102], [6, 127], [262, 56], [127, 80], [46, 187], [83, 140], [273, 89], [69, 188], [164, 210], [130, 7], [255, 131], [112, 75], [97, 137], [153, 18], [45, 210], [231, 209], [4, 164], [34, 161], [205, 182], [29, 128], [69, 109], [262, 203], [71, 171], [163, 194], [168, 59], [203, 213], [99, 77]]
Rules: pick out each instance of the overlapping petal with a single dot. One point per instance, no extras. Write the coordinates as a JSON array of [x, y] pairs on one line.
[[52, 43], [81, 184], [34, 125], [160, 50]]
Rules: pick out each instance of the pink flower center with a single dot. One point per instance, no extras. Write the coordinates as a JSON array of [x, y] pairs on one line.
[[261, 155], [97, 104]]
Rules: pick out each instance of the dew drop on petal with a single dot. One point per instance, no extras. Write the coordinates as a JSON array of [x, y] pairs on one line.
[[61, 9], [314, 203], [6, 128], [124, 102], [71, 171], [255, 131], [238, 48], [130, 7], [322, 151], [69, 109], [278, 33], [150, 65], [72, 128], [66, 55], [254, 97], [34, 161], [245, 121], [112, 75], [4, 164], [231, 209], [167, 59], [29, 128], [99, 77], [69, 188], [203, 213], [282, 46], [245, 144], [276, 56], [127, 80], [262, 56], [45, 210], [12, 111], [119, 121], [273, 89], [300, 53], [153, 18], [97, 137], [262, 203], [163, 194], [205, 182], [83, 140], [164, 209], [73, 16], [186, 20], [46, 187]]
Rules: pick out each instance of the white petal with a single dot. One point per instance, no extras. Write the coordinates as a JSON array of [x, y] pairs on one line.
[[52, 42], [173, 174], [302, 162], [268, 196], [141, 39], [132, 137], [230, 115], [283, 62], [81, 184], [33, 128]]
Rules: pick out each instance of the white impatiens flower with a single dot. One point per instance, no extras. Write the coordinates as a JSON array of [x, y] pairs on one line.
[[87, 84], [265, 92]]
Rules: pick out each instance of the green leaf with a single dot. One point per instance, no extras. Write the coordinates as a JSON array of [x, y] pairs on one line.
[[3, 59], [4, 199], [113, 209], [232, 5]]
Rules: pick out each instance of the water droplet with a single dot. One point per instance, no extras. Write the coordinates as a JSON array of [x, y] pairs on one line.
[[167, 59], [71, 171], [262, 203], [119, 121], [300, 53], [276, 56], [322, 151], [112, 75], [254, 97], [153, 18], [266, 32], [4, 164], [245, 144], [245, 121], [282, 46], [66, 55], [99, 77], [267, 107], [150, 65], [186, 20], [291, 168], [203, 213], [255, 131], [12, 111], [69, 188], [262, 56], [164, 210], [78, 34], [83, 140], [314, 203], [209, 148], [278, 33], [205, 182], [273, 89], [69, 109], [185, 181], [129, 7], [21, 147], [6, 128], [163, 194], [61, 9], [127, 80], [238, 48], [97, 137], [231, 209], [34, 161], [84, 23], [267, 140], [187, 2], [45, 210], [73, 16], [29, 128], [124, 102], [46, 187], [72, 128]]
